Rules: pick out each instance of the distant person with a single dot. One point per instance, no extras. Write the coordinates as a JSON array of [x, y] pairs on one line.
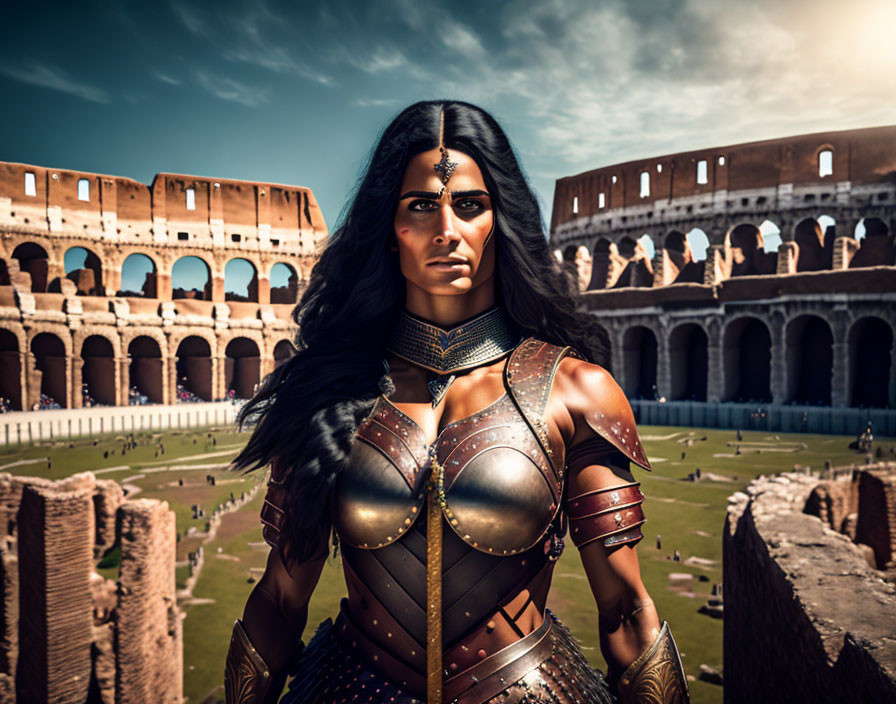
[[393, 426]]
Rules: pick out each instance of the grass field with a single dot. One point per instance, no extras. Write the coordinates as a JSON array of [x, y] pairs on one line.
[[688, 515]]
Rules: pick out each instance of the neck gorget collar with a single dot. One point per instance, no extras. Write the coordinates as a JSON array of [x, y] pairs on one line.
[[485, 338]]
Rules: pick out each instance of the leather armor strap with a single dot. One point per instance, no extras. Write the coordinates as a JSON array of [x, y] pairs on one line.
[[247, 678], [273, 511], [613, 514], [656, 676]]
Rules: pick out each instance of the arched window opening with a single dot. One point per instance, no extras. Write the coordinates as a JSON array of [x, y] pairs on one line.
[[139, 278], [194, 370], [747, 361], [639, 353], [144, 372], [11, 378], [877, 246], [50, 371], [84, 268], [810, 357], [816, 251], [240, 281], [870, 364], [283, 351], [33, 260], [284, 284], [645, 184], [97, 372], [771, 236], [702, 172], [748, 256], [699, 243], [242, 368], [688, 362], [645, 241], [191, 278], [825, 163]]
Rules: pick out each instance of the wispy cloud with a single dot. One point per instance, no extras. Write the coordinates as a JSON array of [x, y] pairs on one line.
[[54, 78], [192, 18], [165, 78], [375, 102], [229, 89]]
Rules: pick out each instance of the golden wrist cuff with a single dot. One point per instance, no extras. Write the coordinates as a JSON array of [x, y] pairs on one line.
[[656, 676]]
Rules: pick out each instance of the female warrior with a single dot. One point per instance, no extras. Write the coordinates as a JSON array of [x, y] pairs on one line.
[[445, 418]]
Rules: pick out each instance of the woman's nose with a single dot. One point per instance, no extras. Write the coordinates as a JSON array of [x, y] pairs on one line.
[[446, 226]]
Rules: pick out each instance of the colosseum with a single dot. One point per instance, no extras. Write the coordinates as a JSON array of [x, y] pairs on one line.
[[115, 293], [747, 286]]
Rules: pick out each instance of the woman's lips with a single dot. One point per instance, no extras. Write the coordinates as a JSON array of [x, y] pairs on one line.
[[448, 264]]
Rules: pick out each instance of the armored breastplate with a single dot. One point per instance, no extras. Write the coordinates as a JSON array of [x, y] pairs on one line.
[[501, 489], [502, 494]]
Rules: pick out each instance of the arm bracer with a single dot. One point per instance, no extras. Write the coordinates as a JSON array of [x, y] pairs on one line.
[[612, 515]]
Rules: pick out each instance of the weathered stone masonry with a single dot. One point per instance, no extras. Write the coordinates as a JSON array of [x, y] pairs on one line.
[[66, 633], [807, 619], [59, 330], [810, 325]]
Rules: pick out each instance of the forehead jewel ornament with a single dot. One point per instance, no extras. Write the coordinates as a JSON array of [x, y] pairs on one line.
[[444, 168]]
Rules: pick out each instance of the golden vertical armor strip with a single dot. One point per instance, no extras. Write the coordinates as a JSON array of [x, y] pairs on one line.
[[434, 504]]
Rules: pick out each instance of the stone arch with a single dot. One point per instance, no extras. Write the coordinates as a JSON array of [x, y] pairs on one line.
[[11, 363], [51, 369], [139, 276], [34, 260], [870, 363], [746, 252], [97, 371], [239, 272], [242, 367], [145, 370], [681, 258], [107, 333], [810, 358], [194, 369], [633, 268], [188, 271], [688, 362], [85, 269], [876, 247], [746, 360], [816, 251], [639, 354], [283, 352], [285, 281]]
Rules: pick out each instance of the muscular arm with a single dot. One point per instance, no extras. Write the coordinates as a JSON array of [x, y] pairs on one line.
[[277, 609], [627, 619]]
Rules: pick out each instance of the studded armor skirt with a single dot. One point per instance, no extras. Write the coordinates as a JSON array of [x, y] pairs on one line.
[[546, 666]]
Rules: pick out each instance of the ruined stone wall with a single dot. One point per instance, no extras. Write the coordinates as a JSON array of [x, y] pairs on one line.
[[88, 335], [806, 618], [66, 633]]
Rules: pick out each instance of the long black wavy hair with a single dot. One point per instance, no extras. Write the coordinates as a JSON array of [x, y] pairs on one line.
[[307, 411]]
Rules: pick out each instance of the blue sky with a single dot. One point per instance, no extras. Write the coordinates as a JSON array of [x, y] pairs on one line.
[[298, 92]]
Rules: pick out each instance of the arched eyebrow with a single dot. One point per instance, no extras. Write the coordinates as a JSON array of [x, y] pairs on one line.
[[432, 195]]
